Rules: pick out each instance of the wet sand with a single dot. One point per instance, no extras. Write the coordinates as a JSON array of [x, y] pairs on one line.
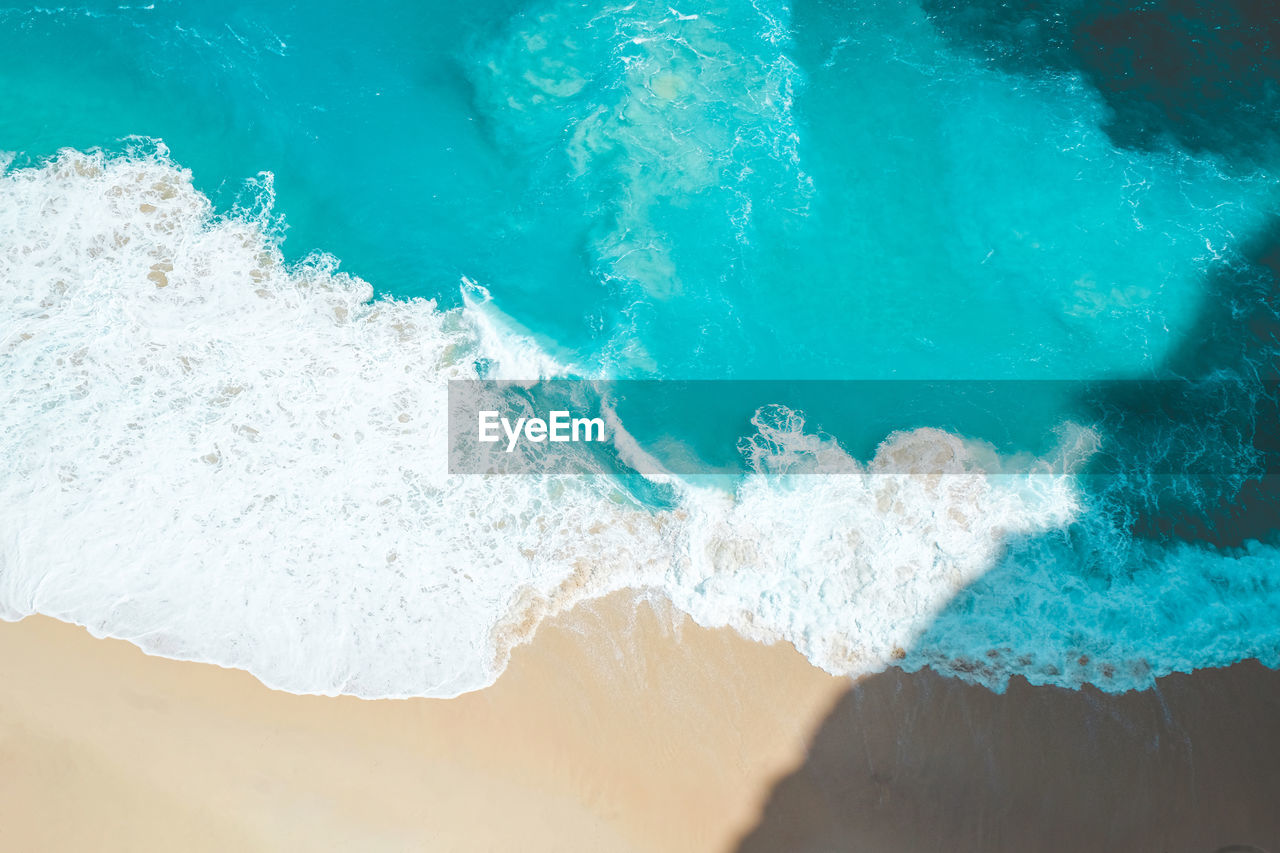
[[612, 731]]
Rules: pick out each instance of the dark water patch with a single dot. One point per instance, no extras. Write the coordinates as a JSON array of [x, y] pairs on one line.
[[1171, 560], [1224, 412], [1205, 75]]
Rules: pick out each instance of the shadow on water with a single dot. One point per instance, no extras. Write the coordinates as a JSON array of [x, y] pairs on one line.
[[1195, 456], [925, 762], [1201, 74]]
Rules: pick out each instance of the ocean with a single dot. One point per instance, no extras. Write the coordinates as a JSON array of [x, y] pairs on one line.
[[244, 248]]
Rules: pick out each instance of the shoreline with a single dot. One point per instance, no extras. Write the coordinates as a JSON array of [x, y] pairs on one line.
[[623, 726], [608, 718]]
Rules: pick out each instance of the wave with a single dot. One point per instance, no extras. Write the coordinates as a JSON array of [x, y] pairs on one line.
[[221, 456]]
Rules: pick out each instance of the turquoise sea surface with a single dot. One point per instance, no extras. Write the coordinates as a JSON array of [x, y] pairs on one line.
[[743, 189]]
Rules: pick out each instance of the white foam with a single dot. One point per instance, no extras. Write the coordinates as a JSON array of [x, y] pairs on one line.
[[851, 567], [517, 352], [223, 457]]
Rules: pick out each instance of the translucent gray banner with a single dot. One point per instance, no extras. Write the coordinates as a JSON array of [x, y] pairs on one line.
[[1218, 427]]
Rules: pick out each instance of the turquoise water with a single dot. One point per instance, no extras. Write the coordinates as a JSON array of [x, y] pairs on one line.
[[737, 190], [827, 192]]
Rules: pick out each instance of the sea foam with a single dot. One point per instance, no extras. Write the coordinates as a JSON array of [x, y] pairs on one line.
[[222, 456]]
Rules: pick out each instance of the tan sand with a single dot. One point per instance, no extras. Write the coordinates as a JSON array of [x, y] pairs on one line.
[[610, 732]]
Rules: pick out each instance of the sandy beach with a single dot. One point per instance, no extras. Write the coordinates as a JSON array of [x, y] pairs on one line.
[[919, 762], [612, 731]]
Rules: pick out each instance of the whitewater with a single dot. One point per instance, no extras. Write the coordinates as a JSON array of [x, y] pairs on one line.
[[222, 456]]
